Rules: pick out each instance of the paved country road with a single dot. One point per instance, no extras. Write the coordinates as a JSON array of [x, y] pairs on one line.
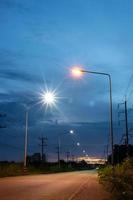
[[81, 185]]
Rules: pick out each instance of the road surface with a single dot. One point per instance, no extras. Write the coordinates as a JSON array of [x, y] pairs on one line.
[[62, 186]]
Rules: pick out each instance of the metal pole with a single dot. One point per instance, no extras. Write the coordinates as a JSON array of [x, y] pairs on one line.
[[67, 156], [59, 143], [111, 121], [110, 109], [42, 148], [126, 120], [26, 139]]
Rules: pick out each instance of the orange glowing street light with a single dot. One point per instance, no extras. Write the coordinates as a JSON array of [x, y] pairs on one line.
[[77, 72]]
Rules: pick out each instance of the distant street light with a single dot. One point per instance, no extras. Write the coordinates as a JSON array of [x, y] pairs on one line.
[[71, 131], [59, 143], [77, 73], [78, 144]]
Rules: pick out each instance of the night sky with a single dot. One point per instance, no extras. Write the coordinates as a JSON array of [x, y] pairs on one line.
[[39, 43]]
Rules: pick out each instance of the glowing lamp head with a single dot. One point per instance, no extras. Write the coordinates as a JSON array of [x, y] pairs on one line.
[[78, 144], [49, 98], [76, 72], [71, 131]]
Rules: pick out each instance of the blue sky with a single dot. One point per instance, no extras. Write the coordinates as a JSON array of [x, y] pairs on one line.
[[41, 40]]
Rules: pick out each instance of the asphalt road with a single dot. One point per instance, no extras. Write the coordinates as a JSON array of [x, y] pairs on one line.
[[62, 186]]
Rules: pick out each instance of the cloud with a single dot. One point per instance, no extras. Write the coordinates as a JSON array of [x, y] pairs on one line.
[[8, 58], [19, 75]]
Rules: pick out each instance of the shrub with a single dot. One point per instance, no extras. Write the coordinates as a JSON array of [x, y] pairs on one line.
[[118, 180], [10, 169]]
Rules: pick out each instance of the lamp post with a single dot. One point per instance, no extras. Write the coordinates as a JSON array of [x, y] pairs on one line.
[[77, 72], [26, 138], [59, 144], [26, 134], [48, 98]]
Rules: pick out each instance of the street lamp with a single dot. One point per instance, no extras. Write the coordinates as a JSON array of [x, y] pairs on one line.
[[48, 98], [71, 131], [59, 144], [26, 134], [77, 72], [26, 138], [78, 144]]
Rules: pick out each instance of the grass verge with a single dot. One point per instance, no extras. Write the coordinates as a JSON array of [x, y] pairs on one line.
[[118, 180]]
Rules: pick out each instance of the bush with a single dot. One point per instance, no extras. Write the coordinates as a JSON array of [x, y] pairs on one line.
[[118, 180], [10, 169]]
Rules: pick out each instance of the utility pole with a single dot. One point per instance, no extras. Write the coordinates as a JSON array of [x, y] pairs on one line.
[[126, 122], [73, 158], [106, 149], [43, 144], [26, 139], [58, 154], [67, 155], [58, 150], [125, 112]]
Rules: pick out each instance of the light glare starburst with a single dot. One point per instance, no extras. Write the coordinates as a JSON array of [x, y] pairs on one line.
[[49, 98]]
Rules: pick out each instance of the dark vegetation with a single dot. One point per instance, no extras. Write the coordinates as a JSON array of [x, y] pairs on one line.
[[16, 169], [118, 180]]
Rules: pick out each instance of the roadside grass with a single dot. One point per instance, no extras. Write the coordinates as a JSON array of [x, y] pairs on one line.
[[16, 169], [48, 170], [118, 180], [11, 169]]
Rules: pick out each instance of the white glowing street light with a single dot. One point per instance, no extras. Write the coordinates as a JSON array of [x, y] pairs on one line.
[[48, 98], [59, 143], [26, 133], [78, 72], [71, 131], [83, 151], [78, 144]]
